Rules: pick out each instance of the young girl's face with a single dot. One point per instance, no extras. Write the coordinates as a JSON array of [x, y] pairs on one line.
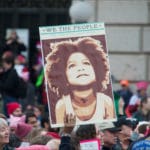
[[79, 70]]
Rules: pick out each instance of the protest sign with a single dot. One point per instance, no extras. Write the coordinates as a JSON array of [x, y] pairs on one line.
[[93, 144], [77, 73]]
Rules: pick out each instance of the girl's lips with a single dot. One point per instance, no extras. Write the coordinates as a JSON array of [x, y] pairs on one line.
[[82, 75]]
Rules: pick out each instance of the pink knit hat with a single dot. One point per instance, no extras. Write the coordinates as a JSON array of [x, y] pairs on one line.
[[34, 147], [22, 130], [142, 85]]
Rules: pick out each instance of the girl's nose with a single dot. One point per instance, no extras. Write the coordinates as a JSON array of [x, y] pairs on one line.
[[80, 68]]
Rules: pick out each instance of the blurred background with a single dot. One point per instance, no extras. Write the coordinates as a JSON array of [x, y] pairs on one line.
[[127, 29]]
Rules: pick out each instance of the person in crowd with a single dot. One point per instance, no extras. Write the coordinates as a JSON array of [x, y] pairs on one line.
[[45, 124], [29, 98], [38, 111], [14, 141], [14, 44], [143, 113], [35, 132], [125, 92], [8, 76], [119, 104], [20, 63], [127, 134], [40, 139], [22, 131], [14, 109], [32, 120], [141, 128], [16, 115], [136, 98], [3, 116], [109, 136], [4, 135], [79, 83], [142, 143], [38, 74]]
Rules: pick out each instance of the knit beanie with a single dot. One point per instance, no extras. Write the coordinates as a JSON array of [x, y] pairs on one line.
[[22, 130], [11, 107], [142, 85]]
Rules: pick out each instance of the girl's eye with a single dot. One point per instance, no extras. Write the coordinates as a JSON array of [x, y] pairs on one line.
[[71, 66], [86, 63]]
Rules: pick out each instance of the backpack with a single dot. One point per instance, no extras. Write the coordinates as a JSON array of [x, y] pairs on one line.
[[21, 90]]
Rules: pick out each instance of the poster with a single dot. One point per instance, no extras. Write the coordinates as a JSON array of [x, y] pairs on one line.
[[77, 73], [92, 144]]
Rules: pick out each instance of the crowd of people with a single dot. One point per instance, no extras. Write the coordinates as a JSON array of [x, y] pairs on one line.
[[25, 123]]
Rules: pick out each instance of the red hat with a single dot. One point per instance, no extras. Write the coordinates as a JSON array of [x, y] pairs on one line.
[[34, 147], [11, 107], [142, 85], [21, 59], [22, 130], [124, 82]]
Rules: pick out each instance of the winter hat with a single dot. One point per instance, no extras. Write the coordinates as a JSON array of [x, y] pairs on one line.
[[124, 82], [21, 59], [34, 147], [110, 126], [22, 130], [12, 106], [142, 85]]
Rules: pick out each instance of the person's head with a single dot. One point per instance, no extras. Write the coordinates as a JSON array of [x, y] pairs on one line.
[[127, 125], [35, 132], [13, 35], [85, 132], [7, 60], [38, 111], [145, 103], [15, 109], [142, 127], [22, 130], [32, 120], [3, 116], [108, 133], [124, 84], [4, 132], [109, 138], [142, 88], [40, 140], [79, 62], [14, 141]]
